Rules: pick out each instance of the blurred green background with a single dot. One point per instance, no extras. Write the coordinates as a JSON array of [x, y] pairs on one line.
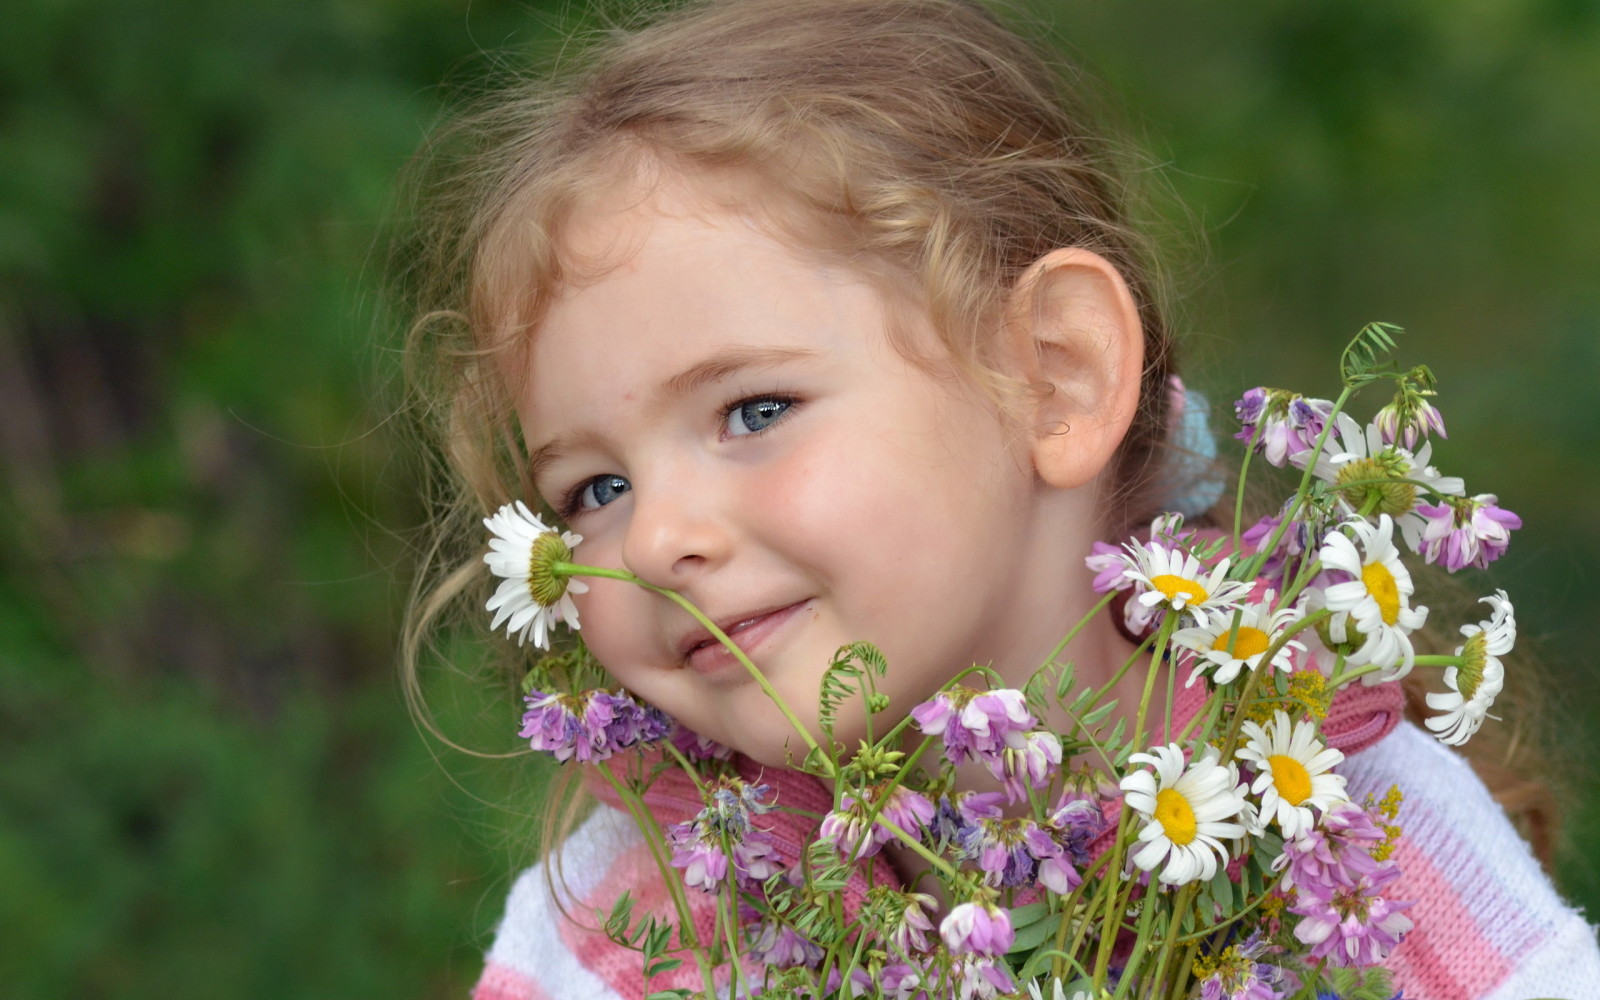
[[209, 784]]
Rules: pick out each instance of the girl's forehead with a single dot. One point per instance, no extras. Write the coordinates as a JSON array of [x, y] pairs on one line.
[[608, 224]]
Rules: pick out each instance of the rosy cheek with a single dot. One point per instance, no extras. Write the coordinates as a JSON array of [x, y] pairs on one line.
[[611, 622]]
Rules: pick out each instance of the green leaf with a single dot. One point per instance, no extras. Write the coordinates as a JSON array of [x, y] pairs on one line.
[[656, 968], [1095, 717], [843, 677], [1033, 925], [1364, 359], [1064, 680], [1221, 889]]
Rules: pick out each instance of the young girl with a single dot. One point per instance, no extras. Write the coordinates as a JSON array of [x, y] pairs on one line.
[[826, 315]]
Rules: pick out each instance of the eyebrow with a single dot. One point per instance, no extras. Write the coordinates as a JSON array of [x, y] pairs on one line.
[[718, 367]]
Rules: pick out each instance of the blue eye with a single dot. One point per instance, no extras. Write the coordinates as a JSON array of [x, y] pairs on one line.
[[600, 491], [752, 416]]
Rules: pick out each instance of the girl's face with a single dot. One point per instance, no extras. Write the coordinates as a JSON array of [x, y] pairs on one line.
[[726, 417]]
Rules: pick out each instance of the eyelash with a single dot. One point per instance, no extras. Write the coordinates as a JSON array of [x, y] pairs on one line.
[[570, 505]]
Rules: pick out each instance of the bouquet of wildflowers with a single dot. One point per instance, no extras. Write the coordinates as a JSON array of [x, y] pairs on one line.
[[1208, 849]]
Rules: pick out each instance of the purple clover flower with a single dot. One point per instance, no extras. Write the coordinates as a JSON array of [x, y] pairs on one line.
[[1289, 423], [861, 984], [1239, 976], [978, 977], [776, 944], [960, 810], [732, 804], [978, 929], [589, 726], [904, 981], [1467, 531], [701, 845], [1333, 855], [1032, 764], [976, 724], [698, 850], [846, 827], [1009, 850], [1422, 419], [1106, 562], [1076, 821], [1353, 925], [909, 932], [696, 747]]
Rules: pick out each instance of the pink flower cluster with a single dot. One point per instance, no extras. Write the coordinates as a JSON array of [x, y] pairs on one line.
[[995, 728], [1339, 885], [1289, 423], [780, 946], [702, 846], [589, 726], [847, 828], [1020, 852], [1466, 531], [977, 929], [696, 747]]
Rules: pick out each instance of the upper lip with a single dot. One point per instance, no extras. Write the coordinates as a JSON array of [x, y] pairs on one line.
[[727, 624]]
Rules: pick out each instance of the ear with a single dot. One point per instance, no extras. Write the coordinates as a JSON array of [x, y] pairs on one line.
[[1074, 332]]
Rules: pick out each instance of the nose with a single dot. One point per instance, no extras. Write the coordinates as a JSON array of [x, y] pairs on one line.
[[674, 533]]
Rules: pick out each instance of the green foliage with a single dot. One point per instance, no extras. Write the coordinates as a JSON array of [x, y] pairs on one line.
[[1364, 358], [1360, 984], [852, 670], [650, 937]]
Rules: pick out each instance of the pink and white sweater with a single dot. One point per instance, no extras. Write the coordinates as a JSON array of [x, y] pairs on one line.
[[1489, 924]]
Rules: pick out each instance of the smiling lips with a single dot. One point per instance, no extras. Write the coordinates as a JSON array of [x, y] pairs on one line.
[[705, 654]]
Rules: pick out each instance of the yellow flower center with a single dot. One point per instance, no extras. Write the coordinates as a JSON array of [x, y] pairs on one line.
[[1176, 587], [1175, 816], [1380, 584], [1290, 778], [1249, 642]]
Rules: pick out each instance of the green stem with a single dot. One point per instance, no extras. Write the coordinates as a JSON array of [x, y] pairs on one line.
[[1266, 893], [1110, 921], [1067, 907], [1255, 676], [1185, 898], [652, 835], [1244, 472], [1146, 916], [1345, 677], [1167, 622], [1300, 491], [916, 845]]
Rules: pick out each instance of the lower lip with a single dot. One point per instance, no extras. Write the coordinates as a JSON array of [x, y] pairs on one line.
[[715, 658]]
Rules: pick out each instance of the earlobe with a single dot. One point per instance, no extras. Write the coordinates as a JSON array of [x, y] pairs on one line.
[[1075, 333]]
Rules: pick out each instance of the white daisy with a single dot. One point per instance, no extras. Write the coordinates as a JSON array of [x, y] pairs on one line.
[[1377, 600], [1357, 455], [531, 597], [1171, 577], [1258, 628], [1188, 809], [1477, 682], [1292, 773]]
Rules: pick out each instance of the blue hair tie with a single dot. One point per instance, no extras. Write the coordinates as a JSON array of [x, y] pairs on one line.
[[1193, 485]]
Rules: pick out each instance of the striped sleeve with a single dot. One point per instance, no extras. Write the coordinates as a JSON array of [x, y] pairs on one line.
[[532, 958], [1489, 923]]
